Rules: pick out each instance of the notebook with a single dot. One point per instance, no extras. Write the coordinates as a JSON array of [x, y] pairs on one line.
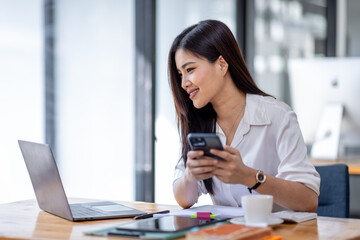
[[50, 193], [229, 231]]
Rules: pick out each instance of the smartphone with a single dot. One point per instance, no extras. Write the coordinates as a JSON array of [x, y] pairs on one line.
[[205, 142]]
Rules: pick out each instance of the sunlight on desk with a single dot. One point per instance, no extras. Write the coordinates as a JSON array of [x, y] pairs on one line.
[[24, 220]]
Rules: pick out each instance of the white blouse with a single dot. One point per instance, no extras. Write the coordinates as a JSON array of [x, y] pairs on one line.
[[269, 139]]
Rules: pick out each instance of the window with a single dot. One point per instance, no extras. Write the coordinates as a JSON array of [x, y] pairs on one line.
[[94, 57], [21, 92], [172, 18], [283, 30]]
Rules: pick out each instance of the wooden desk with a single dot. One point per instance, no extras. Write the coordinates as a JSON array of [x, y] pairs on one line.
[[24, 220], [354, 165]]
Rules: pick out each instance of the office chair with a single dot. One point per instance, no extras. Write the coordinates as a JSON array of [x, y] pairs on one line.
[[334, 191]]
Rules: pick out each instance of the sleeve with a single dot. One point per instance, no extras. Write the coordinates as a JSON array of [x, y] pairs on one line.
[[294, 163], [179, 172]]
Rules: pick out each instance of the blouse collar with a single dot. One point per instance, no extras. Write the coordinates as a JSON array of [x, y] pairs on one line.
[[255, 114]]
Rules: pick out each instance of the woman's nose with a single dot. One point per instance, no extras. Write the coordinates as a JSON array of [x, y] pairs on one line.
[[185, 83]]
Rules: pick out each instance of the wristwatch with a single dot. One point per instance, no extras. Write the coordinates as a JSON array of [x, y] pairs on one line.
[[260, 178]]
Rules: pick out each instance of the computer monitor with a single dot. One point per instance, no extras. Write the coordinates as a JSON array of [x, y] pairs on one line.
[[318, 87]]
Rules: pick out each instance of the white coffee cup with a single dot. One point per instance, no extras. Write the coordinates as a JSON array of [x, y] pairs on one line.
[[257, 209]]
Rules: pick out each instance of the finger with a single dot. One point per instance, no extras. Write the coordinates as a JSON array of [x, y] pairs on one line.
[[231, 150], [222, 175], [223, 154], [219, 172], [204, 176], [202, 170], [201, 162], [195, 154], [205, 158]]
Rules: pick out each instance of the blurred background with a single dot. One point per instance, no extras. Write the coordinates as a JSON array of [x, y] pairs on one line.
[[89, 77]]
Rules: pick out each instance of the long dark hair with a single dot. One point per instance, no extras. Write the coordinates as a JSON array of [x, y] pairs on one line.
[[208, 39]]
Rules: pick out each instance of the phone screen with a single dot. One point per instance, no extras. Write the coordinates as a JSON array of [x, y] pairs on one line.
[[165, 224]]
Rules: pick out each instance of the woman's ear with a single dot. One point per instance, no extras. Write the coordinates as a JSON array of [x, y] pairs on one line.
[[223, 65]]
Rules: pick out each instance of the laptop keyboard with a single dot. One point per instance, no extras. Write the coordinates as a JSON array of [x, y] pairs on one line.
[[79, 211]]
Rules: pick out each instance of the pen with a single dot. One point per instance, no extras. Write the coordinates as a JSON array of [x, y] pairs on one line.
[[149, 215]]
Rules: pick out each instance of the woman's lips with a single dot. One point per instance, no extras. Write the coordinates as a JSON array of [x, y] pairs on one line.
[[193, 93]]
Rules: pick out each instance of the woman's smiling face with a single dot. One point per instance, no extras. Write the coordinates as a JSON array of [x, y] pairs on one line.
[[200, 78]]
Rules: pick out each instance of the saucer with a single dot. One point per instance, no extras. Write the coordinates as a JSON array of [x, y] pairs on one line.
[[271, 222]]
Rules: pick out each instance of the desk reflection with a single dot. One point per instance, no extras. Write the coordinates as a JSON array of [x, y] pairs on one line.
[[307, 230], [46, 223]]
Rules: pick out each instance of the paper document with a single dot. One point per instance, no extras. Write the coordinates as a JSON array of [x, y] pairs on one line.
[[221, 211]]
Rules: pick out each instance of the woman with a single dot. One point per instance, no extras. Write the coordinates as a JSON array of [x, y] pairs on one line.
[[264, 149]]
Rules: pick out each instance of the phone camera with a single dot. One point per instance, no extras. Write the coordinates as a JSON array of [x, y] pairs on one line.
[[198, 142]]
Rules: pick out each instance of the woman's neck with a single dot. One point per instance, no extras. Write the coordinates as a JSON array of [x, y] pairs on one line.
[[229, 102], [229, 106]]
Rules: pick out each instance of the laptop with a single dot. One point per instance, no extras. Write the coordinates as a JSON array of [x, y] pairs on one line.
[[50, 193]]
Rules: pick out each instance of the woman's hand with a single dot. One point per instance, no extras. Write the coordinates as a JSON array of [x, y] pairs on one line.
[[233, 170], [200, 167]]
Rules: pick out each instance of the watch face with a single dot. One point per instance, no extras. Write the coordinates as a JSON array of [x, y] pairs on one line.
[[261, 177]]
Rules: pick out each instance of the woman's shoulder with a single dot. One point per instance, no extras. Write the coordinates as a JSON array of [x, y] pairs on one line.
[[271, 108], [270, 103]]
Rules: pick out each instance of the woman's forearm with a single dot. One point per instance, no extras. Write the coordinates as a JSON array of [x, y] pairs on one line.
[[292, 195], [289, 194], [186, 190]]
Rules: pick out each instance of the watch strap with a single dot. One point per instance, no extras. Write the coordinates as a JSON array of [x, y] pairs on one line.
[[254, 187], [258, 181]]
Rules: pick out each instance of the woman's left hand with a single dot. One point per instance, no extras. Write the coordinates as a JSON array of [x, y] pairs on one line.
[[233, 170]]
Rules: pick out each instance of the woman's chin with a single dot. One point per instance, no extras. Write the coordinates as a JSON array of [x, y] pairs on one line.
[[198, 105]]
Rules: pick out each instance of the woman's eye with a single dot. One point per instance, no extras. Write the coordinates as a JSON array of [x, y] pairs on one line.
[[189, 69], [180, 75]]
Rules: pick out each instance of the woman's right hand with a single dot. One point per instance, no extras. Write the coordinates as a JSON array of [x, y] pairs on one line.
[[199, 167]]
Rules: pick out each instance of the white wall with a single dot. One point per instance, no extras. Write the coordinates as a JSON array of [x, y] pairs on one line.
[[21, 92]]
